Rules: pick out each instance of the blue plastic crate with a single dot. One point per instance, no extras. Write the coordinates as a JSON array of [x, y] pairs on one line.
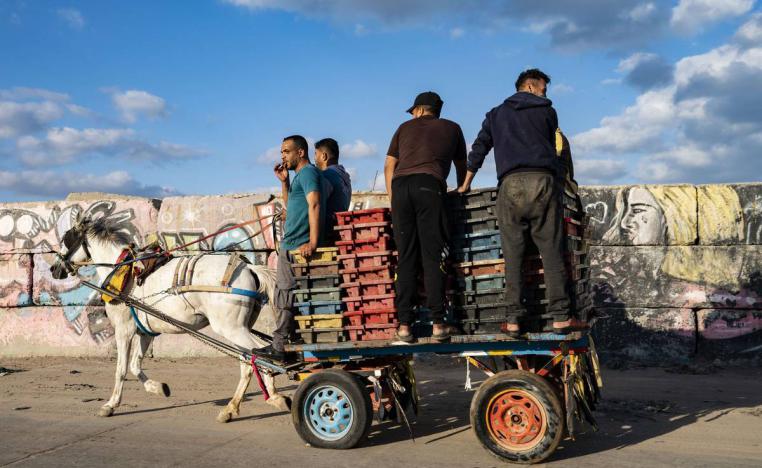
[[317, 294], [477, 239], [319, 307], [475, 254], [482, 282]]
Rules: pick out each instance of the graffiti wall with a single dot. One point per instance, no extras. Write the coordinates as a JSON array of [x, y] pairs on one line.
[[676, 269]]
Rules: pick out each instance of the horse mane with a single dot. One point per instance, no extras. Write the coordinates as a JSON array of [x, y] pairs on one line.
[[105, 230]]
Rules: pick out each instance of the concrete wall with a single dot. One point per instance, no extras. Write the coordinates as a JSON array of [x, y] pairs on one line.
[[676, 269]]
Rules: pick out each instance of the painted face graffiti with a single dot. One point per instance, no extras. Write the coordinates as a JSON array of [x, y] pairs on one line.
[[643, 220]]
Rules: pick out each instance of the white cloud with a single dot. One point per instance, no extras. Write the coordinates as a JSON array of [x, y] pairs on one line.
[[378, 182], [64, 145], [598, 171], [642, 12], [703, 126], [72, 17], [21, 93], [57, 184], [357, 149], [611, 81], [134, 103], [361, 29], [690, 16], [457, 33], [18, 118], [561, 88], [645, 70], [750, 33]]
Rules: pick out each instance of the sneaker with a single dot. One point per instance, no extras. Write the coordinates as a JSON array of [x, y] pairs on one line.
[[404, 337], [268, 352], [445, 333], [562, 324]]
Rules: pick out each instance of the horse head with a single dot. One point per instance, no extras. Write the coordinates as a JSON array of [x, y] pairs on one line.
[[74, 249]]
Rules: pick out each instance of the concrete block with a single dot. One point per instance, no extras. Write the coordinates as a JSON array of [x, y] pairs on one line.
[[727, 334], [39, 227], [641, 214], [367, 200], [49, 291], [15, 280], [649, 336], [186, 219], [730, 214], [55, 331]]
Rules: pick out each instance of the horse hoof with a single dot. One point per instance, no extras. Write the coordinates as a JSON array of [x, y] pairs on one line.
[[280, 402], [224, 417], [165, 390], [105, 411]]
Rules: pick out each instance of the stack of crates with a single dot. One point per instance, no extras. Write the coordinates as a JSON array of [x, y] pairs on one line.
[[317, 299], [477, 271], [367, 262]]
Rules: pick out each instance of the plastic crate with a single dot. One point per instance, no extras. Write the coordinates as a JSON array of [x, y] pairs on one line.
[[322, 335], [372, 215], [485, 311], [477, 239], [378, 301], [471, 226], [483, 267], [317, 281], [371, 316], [482, 282], [372, 273], [317, 294], [467, 298], [371, 332], [368, 259], [475, 254], [319, 307], [483, 327], [320, 321], [368, 287], [321, 254], [378, 244], [315, 269], [475, 211], [572, 227], [364, 230], [473, 197]]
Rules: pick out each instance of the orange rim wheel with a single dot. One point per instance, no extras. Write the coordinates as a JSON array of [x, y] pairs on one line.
[[516, 420]]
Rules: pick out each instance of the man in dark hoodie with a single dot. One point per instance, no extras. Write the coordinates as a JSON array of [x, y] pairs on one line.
[[522, 130], [337, 181]]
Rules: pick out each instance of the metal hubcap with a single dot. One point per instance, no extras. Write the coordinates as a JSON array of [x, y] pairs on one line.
[[516, 420], [328, 412]]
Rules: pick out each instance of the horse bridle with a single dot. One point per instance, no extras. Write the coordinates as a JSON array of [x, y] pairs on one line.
[[73, 240]]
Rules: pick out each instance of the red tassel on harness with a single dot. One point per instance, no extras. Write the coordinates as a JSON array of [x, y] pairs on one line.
[[261, 382]]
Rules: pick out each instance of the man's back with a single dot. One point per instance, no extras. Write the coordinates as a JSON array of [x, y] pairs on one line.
[[427, 145]]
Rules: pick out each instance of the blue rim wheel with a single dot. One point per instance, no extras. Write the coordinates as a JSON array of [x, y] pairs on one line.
[[328, 412]]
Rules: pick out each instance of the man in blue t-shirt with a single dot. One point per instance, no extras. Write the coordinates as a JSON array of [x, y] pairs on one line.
[[337, 181], [305, 210]]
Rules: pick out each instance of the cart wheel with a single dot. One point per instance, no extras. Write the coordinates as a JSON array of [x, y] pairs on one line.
[[332, 409], [517, 416]]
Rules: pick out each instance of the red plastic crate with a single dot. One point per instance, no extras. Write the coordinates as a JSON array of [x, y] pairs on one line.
[[371, 332], [372, 215], [364, 230], [572, 227], [368, 287], [377, 301], [482, 267], [371, 316], [368, 259], [379, 244], [372, 273]]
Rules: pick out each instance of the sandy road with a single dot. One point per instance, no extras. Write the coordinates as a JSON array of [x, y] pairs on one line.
[[650, 417]]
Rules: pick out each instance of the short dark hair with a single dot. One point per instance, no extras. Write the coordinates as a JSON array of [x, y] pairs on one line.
[[330, 146], [300, 142], [531, 74], [435, 110]]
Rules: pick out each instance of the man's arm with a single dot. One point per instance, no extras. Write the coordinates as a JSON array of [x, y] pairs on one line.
[[313, 209], [479, 150], [460, 171], [389, 165], [282, 174], [460, 158]]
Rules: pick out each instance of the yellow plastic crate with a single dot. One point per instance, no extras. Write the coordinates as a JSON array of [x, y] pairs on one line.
[[321, 254], [319, 321]]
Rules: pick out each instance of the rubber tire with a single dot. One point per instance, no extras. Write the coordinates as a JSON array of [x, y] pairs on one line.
[[358, 396], [545, 395]]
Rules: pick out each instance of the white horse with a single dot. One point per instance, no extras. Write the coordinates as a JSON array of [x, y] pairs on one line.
[[231, 316]]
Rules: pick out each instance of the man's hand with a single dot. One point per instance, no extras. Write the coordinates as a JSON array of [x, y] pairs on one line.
[[466, 185], [464, 188], [281, 172], [307, 249]]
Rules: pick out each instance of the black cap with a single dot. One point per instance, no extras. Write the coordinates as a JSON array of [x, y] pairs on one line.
[[429, 98]]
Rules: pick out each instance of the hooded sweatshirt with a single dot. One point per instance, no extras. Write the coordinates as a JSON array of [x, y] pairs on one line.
[[522, 131], [339, 190]]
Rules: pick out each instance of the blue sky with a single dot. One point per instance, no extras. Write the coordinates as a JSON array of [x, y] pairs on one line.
[[164, 98]]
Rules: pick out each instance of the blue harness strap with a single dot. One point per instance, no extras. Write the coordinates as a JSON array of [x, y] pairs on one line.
[[140, 326], [246, 292]]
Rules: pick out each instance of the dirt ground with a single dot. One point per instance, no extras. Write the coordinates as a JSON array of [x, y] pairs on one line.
[[649, 417]]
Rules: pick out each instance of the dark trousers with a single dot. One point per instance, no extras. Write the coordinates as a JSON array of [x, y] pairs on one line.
[[421, 235], [283, 302], [529, 203]]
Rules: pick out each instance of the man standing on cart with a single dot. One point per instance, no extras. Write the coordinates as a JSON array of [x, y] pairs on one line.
[[305, 211], [338, 184], [416, 169], [522, 131]]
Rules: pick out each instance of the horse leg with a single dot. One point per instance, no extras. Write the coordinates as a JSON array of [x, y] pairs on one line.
[[234, 404], [123, 335], [282, 402], [140, 345]]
